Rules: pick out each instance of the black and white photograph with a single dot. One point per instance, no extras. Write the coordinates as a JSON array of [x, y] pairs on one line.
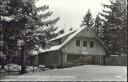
[[63, 40]]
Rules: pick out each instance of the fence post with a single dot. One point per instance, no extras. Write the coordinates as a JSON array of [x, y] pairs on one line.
[[33, 63], [8, 69], [119, 60]]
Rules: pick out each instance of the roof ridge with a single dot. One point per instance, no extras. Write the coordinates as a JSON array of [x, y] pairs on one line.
[[57, 47]]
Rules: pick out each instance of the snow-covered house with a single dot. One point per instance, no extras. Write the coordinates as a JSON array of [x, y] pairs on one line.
[[75, 47]]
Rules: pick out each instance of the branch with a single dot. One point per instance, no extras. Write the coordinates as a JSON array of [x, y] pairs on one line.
[[45, 16], [42, 8]]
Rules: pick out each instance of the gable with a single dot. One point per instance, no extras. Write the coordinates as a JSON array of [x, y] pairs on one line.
[[86, 33]]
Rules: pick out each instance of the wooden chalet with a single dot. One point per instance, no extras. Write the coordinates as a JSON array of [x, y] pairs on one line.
[[75, 47]]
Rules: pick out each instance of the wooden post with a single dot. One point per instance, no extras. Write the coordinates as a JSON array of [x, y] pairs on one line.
[[61, 59], [104, 62], [83, 59], [33, 63], [64, 58], [37, 63], [93, 60], [9, 69], [119, 60], [100, 60]]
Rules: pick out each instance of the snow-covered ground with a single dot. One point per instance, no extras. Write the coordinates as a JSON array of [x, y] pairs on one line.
[[14, 67], [79, 73]]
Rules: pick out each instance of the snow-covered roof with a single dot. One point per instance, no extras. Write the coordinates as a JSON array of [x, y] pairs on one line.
[[57, 47], [63, 35], [53, 48], [70, 37]]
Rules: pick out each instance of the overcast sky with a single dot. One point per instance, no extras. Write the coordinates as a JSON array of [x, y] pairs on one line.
[[71, 12]]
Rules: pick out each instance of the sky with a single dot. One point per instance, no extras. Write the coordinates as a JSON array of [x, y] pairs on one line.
[[71, 12]]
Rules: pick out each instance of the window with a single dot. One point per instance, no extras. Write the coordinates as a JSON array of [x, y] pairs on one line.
[[84, 43], [91, 44], [78, 43]]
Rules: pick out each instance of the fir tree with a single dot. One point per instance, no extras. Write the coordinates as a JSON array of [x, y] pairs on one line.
[[16, 27], [46, 26], [97, 24], [20, 20], [87, 20], [20, 23], [51, 32], [115, 26], [98, 27]]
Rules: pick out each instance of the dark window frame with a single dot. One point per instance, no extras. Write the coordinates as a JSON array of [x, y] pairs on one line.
[[85, 43], [91, 44], [78, 43]]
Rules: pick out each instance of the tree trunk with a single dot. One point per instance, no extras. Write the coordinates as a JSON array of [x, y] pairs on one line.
[[23, 65]]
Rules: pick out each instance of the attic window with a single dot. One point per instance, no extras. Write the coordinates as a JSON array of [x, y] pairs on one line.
[[91, 44], [78, 43], [84, 43]]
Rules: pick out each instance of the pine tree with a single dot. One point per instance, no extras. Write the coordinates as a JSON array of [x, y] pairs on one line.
[[23, 16], [115, 26], [51, 32], [87, 20], [20, 24], [46, 26], [15, 21], [98, 24]]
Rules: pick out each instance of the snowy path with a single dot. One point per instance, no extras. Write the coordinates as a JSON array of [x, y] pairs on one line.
[[79, 73]]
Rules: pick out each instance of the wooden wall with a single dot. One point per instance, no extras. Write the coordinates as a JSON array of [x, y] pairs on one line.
[[87, 35], [72, 48], [50, 59]]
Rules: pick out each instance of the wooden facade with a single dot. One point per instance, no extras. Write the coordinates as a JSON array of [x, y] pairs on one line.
[[80, 47]]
